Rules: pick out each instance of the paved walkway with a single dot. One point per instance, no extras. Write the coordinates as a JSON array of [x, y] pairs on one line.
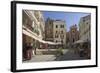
[[69, 55], [41, 58]]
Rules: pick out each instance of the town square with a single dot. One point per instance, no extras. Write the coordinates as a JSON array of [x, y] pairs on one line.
[[55, 36]]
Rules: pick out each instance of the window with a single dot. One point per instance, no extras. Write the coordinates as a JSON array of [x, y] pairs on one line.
[[87, 23], [56, 36], [56, 26], [61, 26], [50, 22], [56, 31], [56, 41], [62, 32], [84, 20], [73, 40], [61, 36], [62, 41]]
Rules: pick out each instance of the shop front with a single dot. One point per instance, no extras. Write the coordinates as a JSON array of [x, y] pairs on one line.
[[27, 47]]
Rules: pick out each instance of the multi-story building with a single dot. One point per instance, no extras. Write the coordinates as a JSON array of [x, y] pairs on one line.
[[49, 30], [84, 28], [34, 22], [85, 34], [32, 27], [40, 24], [55, 31], [67, 39], [59, 32], [73, 34]]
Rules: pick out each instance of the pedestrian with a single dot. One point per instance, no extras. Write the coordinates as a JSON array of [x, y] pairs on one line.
[[24, 51], [81, 51], [29, 51]]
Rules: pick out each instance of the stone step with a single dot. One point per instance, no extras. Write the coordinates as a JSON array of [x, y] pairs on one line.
[[37, 52]]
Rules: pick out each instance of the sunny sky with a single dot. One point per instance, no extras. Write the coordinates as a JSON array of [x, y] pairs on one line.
[[70, 17]]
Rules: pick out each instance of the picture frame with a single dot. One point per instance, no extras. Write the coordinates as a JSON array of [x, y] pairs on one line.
[[18, 8]]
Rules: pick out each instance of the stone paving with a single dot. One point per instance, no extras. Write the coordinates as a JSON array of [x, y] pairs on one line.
[[67, 55], [41, 58]]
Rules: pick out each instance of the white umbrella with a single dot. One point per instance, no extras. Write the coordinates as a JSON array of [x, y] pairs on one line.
[[79, 41]]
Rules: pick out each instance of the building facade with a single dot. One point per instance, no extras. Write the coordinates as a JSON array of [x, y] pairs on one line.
[[49, 30], [67, 39], [55, 31], [34, 22], [32, 28], [85, 34], [59, 32], [72, 35], [85, 28]]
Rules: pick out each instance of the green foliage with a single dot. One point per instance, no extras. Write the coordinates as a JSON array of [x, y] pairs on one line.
[[59, 51]]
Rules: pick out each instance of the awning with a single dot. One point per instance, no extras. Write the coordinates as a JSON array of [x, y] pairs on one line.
[[36, 38], [52, 43], [79, 41]]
